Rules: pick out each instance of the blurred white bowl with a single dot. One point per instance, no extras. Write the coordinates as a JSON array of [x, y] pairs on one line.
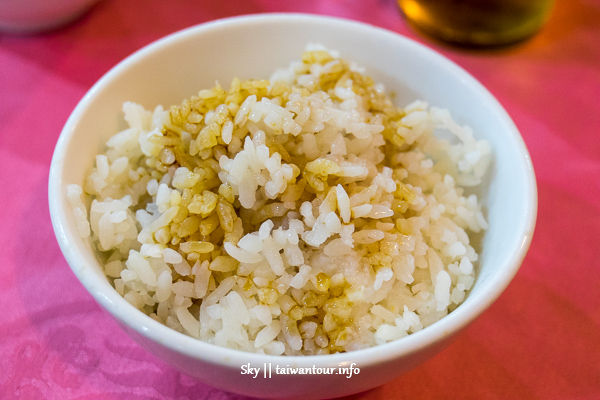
[[30, 16], [177, 66]]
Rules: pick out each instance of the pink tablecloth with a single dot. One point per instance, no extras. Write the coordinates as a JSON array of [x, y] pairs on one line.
[[541, 339]]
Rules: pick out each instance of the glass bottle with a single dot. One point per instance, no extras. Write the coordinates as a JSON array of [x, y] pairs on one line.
[[478, 22]]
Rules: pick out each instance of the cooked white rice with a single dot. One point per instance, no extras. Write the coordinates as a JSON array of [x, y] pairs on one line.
[[301, 215]]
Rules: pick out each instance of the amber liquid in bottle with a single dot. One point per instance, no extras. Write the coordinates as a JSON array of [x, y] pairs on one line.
[[478, 22]]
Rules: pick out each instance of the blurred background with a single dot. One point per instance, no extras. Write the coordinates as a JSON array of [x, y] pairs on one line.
[[540, 340]]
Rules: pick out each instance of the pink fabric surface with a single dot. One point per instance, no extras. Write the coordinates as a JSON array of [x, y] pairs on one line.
[[540, 340]]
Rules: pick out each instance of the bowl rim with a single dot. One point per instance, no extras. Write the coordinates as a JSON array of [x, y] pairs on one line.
[[129, 316]]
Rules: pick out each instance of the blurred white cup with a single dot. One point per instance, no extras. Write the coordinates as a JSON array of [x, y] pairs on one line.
[[33, 16]]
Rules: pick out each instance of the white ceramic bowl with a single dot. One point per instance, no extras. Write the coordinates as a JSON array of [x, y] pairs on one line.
[[177, 66]]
